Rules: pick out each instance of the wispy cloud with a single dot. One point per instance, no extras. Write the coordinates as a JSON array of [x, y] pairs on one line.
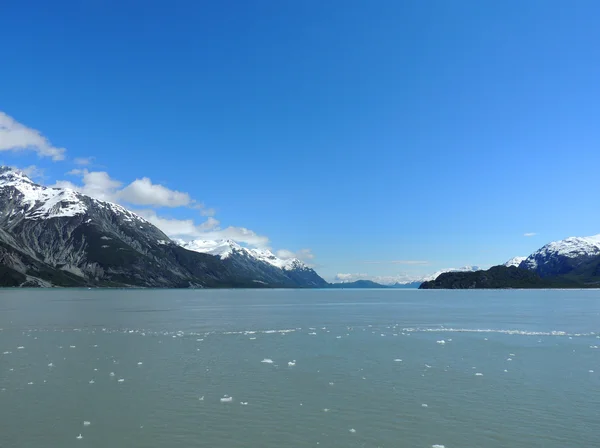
[[405, 262], [528, 234], [83, 160], [33, 172], [15, 136]]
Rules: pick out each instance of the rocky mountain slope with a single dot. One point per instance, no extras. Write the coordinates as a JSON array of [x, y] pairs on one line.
[[53, 236], [259, 264]]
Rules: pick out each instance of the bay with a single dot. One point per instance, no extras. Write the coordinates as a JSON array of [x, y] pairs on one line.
[[299, 368]]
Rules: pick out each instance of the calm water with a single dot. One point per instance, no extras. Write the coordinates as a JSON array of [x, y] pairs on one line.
[[349, 368]]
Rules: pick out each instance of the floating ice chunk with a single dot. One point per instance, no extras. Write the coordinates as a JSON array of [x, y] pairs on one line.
[[79, 437], [424, 405], [438, 446], [91, 381], [591, 371], [6, 353], [50, 365], [325, 410], [352, 430], [201, 398], [397, 360], [112, 374], [511, 354], [505, 370], [86, 423], [20, 347], [331, 383], [338, 337], [253, 338], [267, 361], [121, 380], [479, 374], [442, 342], [140, 363], [428, 366], [30, 383], [244, 403], [312, 334], [71, 346], [226, 399], [292, 363], [509, 359], [95, 370]]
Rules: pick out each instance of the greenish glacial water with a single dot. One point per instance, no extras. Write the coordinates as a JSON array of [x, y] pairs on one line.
[[299, 368]]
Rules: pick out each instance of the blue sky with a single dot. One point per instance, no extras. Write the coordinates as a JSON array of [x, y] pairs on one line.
[[436, 132]]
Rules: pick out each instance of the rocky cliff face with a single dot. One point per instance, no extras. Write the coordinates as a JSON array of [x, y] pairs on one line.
[[51, 236]]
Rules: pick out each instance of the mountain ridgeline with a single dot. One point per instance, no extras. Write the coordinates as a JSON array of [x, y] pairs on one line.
[[570, 263], [59, 237]]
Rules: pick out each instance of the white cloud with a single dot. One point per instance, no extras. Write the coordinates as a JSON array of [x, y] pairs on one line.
[[187, 229], [144, 192], [530, 234], [239, 234], [100, 185], [302, 254], [15, 136], [83, 160], [208, 212], [97, 184], [32, 171]]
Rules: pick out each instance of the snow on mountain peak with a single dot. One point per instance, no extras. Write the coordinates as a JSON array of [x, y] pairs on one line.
[[225, 248], [39, 201], [443, 271], [219, 248], [515, 261], [572, 247]]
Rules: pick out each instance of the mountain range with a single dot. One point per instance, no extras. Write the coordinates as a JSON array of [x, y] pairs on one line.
[[60, 237], [570, 263]]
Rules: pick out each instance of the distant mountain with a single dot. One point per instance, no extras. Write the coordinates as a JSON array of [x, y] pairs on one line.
[[408, 285], [563, 257], [494, 278], [259, 264], [570, 263], [59, 237], [358, 284]]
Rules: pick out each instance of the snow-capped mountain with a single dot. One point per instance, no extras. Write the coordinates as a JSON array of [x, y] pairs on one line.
[[562, 257], [261, 264], [443, 271], [515, 261], [55, 236]]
